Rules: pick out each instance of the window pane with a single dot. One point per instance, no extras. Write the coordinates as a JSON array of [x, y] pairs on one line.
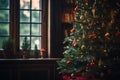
[[4, 21], [37, 41], [24, 4], [1, 41], [24, 16], [4, 4], [40, 4], [35, 4], [36, 29], [4, 15], [36, 16], [30, 20], [24, 29], [22, 39], [4, 29]]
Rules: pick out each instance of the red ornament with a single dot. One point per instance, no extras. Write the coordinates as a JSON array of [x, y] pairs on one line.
[[72, 30], [117, 34], [85, 1], [69, 63], [92, 64], [75, 43], [92, 36], [76, 9]]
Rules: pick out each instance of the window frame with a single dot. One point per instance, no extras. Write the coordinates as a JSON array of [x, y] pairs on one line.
[[14, 24]]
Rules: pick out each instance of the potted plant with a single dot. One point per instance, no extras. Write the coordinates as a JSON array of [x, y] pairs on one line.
[[25, 47], [8, 47], [36, 51]]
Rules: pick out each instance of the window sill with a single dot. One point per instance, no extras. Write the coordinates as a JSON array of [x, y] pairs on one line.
[[29, 60]]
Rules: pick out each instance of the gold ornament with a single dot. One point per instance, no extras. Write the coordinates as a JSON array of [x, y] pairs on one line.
[[83, 47], [93, 12], [86, 14], [105, 51], [81, 17], [83, 36], [107, 34], [99, 62]]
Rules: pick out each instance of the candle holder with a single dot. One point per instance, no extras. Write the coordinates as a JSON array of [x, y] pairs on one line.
[[41, 54]]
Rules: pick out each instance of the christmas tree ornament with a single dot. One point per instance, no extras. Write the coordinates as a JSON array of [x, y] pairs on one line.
[[93, 12], [92, 36], [92, 64], [104, 50], [84, 36], [76, 9], [83, 47], [75, 43], [100, 62], [82, 18], [75, 19], [86, 13], [72, 30], [107, 34], [69, 63], [117, 34], [86, 2]]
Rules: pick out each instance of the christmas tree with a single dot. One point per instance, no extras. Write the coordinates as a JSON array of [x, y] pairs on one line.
[[36, 51], [93, 44], [25, 45], [79, 52]]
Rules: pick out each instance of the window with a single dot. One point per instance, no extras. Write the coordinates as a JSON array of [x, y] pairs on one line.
[[24, 18], [31, 21], [4, 20]]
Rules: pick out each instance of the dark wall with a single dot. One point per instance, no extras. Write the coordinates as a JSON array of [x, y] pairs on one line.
[[56, 28]]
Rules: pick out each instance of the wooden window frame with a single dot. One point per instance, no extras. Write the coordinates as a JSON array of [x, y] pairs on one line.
[[15, 20]]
